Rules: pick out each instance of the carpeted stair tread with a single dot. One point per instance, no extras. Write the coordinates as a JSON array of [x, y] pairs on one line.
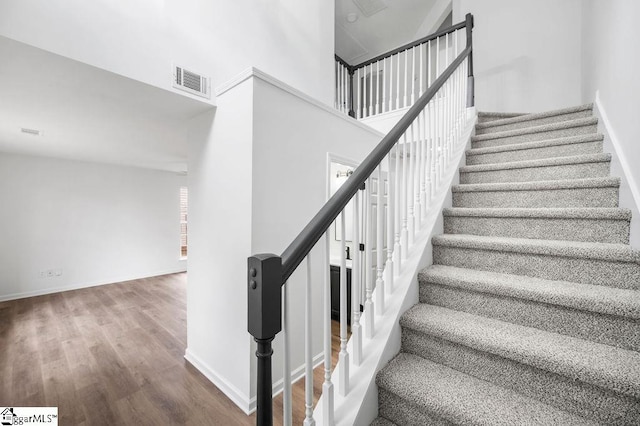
[[550, 213], [462, 399], [545, 162], [608, 367], [381, 421], [536, 144], [606, 225], [574, 249], [568, 167], [525, 119], [591, 143], [570, 124], [602, 182], [593, 298]]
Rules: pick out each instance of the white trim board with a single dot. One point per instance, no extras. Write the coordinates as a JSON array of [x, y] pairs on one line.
[[116, 280], [629, 193], [253, 72], [248, 405]]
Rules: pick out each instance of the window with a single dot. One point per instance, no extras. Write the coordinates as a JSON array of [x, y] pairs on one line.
[[184, 195]]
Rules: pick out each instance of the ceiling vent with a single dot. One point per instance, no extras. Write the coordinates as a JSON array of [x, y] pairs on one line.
[[370, 7], [191, 82], [33, 132]]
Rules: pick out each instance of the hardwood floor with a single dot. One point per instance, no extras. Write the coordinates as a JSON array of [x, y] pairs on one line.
[[113, 354]]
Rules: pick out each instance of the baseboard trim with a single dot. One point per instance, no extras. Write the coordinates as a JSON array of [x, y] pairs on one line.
[[50, 290], [232, 392], [631, 199], [248, 405]]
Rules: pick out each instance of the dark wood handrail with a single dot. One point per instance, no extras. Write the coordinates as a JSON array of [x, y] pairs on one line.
[[412, 44], [304, 242], [343, 63]]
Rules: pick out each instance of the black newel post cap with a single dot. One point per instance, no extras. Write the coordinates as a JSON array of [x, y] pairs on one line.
[[264, 284]]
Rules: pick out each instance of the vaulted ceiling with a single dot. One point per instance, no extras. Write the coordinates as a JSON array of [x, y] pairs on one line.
[[382, 25]]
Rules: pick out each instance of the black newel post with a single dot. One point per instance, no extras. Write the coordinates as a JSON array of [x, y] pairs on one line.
[[352, 113], [470, 82], [264, 322]]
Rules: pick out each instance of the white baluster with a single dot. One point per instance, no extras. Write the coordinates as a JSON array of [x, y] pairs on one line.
[[413, 75], [406, 77], [356, 329], [437, 57], [345, 80], [286, 374], [429, 153], [391, 176], [327, 386], [447, 110], [376, 98], [404, 234], [380, 244], [423, 155], [397, 199], [337, 84], [370, 89], [429, 64], [422, 47], [390, 83], [343, 356], [410, 188], [417, 208], [398, 84], [369, 325], [358, 93], [384, 86], [308, 353]]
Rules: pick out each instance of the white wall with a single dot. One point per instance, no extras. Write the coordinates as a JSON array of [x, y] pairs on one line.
[[290, 39], [291, 142], [610, 66], [96, 223], [526, 53], [220, 164], [257, 175]]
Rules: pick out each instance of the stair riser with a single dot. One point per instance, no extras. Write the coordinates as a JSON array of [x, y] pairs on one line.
[[572, 197], [403, 412], [600, 230], [540, 136], [607, 329], [581, 270], [536, 122], [563, 392], [557, 172], [594, 147]]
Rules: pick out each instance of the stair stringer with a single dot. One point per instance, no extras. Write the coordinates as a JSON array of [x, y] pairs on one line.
[[360, 406]]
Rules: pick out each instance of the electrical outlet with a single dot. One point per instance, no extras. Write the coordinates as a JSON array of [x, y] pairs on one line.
[[49, 273]]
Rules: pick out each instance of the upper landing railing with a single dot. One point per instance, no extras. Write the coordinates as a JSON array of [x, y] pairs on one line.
[[399, 177], [394, 80]]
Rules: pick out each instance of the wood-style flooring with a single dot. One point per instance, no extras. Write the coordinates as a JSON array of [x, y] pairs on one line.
[[114, 355]]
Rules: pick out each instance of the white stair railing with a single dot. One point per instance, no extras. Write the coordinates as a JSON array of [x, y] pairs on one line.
[[390, 194], [395, 79]]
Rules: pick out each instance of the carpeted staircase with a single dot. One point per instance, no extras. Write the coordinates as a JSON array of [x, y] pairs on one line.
[[530, 313]]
